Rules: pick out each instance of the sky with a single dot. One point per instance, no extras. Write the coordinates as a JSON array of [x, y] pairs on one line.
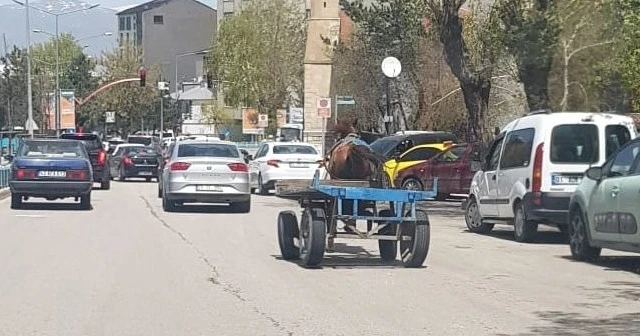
[[121, 4]]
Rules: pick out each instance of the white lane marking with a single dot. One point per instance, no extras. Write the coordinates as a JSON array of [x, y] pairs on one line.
[[31, 216]]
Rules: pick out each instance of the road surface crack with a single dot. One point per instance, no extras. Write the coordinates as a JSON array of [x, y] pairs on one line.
[[215, 275]]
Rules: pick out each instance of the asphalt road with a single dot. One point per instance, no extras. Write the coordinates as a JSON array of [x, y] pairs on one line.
[[127, 268]]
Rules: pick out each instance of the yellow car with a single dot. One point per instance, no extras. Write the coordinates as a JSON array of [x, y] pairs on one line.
[[411, 157]]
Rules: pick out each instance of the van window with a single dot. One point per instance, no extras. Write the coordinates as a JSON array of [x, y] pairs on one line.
[[517, 149], [572, 144], [617, 136], [493, 157]]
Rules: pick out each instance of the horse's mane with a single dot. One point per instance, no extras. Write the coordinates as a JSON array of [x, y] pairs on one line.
[[343, 128]]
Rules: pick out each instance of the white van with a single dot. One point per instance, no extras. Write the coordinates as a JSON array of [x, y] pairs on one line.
[[533, 166]]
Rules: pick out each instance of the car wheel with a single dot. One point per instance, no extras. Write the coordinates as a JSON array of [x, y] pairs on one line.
[[578, 238], [241, 207], [85, 202], [473, 218], [105, 185], [121, 175], [168, 205], [16, 201], [525, 231], [412, 183], [262, 190]]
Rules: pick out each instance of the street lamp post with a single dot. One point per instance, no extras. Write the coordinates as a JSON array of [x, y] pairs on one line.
[[57, 37], [29, 83]]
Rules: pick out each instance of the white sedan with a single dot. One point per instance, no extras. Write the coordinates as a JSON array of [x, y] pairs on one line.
[[282, 161]]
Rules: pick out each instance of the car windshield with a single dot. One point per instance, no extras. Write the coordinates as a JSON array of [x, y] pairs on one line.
[[142, 151], [51, 149], [91, 141], [143, 140], [385, 146], [290, 133], [294, 149], [208, 150]]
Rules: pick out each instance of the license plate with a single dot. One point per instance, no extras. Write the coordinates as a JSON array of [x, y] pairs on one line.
[[298, 165], [208, 188], [566, 180], [47, 173], [144, 173]]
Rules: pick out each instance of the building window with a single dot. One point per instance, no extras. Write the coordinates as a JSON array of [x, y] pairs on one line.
[[122, 25], [158, 19], [127, 38], [121, 38], [228, 14], [308, 13], [129, 23]]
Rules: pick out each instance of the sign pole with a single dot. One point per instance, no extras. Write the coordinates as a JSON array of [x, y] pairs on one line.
[[324, 139]]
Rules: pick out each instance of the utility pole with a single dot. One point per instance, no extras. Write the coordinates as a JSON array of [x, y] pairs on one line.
[[30, 121]]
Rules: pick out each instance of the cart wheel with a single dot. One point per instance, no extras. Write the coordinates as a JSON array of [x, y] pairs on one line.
[[313, 235], [413, 252], [287, 231], [388, 248]]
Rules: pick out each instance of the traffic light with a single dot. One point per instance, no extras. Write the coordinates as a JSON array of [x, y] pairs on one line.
[[209, 81], [143, 76]]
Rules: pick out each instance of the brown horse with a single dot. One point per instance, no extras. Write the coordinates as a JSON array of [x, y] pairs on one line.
[[351, 158]]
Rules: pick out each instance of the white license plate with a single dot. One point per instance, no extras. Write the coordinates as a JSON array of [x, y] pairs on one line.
[[208, 188], [144, 173], [46, 173], [213, 176], [298, 165], [566, 180]]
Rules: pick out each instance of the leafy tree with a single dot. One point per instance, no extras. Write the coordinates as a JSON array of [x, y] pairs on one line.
[[131, 102], [471, 54], [389, 28], [628, 12], [530, 32], [13, 87], [258, 54]]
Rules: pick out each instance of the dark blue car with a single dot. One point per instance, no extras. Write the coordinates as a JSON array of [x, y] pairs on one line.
[[51, 169]]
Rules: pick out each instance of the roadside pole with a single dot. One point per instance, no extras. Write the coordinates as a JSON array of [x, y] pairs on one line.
[[323, 106]]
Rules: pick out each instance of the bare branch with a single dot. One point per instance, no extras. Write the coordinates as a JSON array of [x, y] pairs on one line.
[[575, 51]]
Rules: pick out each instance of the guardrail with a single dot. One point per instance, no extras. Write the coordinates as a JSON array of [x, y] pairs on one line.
[[5, 173]]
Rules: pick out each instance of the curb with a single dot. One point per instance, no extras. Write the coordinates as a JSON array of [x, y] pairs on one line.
[[4, 193]]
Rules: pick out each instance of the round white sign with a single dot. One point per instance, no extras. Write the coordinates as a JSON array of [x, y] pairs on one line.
[[391, 67]]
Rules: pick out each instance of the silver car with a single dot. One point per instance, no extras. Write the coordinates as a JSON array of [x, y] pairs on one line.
[[205, 171]]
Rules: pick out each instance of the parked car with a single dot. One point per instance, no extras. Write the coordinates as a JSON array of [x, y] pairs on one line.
[[410, 158], [205, 172], [282, 161], [454, 168], [98, 155], [388, 146], [51, 169], [135, 161], [603, 211], [535, 164]]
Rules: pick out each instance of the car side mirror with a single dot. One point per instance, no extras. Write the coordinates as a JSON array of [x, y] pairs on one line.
[[594, 173], [9, 158], [249, 157], [476, 166]]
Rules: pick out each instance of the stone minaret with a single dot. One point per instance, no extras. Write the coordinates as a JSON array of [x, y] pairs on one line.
[[324, 25]]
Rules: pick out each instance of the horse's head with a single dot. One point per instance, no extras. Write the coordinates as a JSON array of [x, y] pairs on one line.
[[345, 127]]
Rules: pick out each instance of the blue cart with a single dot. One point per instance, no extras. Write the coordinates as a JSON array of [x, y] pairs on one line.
[[391, 216]]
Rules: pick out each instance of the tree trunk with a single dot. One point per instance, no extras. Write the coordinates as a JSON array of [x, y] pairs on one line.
[[535, 79], [476, 100]]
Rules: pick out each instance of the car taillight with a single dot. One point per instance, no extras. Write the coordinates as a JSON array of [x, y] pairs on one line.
[[179, 166], [127, 161], [273, 163], [102, 157], [25, 174], [536, 179], [238, 167], [76, 174]]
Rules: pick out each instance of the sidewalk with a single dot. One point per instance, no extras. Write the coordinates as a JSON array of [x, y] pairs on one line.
[[4, 193]]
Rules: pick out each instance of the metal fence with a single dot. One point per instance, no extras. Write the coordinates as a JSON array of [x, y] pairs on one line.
[[5, 171]]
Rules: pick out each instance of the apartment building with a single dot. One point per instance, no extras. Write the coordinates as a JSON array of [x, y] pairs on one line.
[[227, 8], [170, 33]]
